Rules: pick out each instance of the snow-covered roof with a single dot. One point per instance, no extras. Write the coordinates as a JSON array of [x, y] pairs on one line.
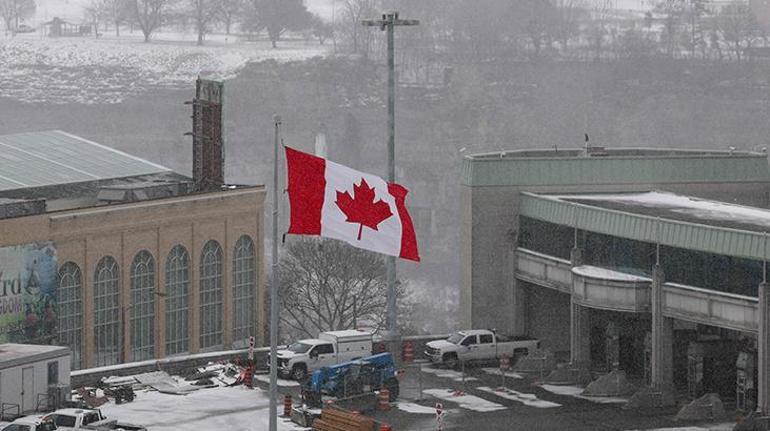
[[607, 274], [678, 207], [40, 159], [12, 355]]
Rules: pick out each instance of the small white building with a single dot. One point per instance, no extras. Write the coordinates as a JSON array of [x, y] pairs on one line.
[[33, 377]]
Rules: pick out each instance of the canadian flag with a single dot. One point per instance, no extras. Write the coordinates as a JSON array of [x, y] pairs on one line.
[[334, 201]]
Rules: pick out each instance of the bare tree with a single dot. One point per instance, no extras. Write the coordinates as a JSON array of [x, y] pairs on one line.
[[738, 27], [149, 15], [203, 12], [12, 11], [228, 11], [117, 12], [276, 16], [96, 11], [329, 285], [673, 11], [353, 11], [568, 13]]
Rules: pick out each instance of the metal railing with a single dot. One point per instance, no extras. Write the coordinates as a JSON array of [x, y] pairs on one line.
[[7, 408]]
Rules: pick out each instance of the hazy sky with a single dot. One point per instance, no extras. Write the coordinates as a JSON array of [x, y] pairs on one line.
[[73, 9]]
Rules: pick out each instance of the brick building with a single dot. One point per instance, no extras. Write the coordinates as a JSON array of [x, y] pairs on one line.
[[118, 258]]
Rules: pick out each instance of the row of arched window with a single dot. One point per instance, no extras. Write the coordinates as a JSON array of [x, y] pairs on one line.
[[109, 315]]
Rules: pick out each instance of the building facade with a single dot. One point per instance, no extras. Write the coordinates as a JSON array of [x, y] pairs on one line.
[[132, 267], [650, 261]]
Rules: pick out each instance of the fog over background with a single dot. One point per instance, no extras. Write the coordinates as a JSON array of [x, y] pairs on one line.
[[475, 76]]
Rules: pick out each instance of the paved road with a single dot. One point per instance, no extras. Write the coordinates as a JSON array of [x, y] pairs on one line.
[[512, 414]]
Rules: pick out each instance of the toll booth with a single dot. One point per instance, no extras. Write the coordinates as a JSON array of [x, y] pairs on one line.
[[746, 381], [711, 367]]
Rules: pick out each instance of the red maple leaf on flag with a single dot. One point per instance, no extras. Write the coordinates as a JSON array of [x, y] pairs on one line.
[[363, 209]]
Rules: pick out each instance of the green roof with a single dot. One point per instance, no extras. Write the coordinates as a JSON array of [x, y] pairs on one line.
[[50, 158], [643, 227], [617, 167]]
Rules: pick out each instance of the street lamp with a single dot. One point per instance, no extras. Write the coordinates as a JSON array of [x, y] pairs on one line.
[[388, 23]]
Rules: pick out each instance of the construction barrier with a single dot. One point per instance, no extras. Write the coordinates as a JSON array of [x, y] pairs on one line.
[[248, 376], [287, 405], [339, 420], [383, 400], [408, 352]]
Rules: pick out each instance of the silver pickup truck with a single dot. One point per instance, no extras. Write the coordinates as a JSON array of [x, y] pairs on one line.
[[478, 345]]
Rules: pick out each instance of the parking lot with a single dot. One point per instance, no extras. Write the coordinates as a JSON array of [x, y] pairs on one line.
[[475, 402]]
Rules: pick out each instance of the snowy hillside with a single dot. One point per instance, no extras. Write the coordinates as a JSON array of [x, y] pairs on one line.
[[106, 70]]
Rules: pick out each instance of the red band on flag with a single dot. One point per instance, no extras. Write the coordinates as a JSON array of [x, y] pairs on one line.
[[408, 237], [307, 182]]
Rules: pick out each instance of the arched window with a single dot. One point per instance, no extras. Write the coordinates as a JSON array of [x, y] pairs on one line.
[[70, 319], [244, 291], [107, 336], [177, 301], [211, 296], [143, 306]]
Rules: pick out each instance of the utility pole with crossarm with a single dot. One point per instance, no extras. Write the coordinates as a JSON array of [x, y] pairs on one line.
[[388, 23]]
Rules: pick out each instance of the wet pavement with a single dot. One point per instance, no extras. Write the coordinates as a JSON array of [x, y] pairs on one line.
[[476, 402]]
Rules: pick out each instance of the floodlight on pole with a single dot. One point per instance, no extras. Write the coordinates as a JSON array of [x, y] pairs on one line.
[[388, 23]]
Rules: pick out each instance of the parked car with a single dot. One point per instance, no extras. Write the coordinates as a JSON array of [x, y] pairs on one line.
[[303, 357], [89, 419], [31, 423], [478, 345]]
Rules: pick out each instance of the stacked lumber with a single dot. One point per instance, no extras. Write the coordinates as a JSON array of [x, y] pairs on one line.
[[340, 420]]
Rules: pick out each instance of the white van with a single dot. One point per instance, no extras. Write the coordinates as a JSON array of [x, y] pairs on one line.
[[330, 348]]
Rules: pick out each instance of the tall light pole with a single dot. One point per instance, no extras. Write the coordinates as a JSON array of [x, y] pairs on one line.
[[274, 286], [388, 23]]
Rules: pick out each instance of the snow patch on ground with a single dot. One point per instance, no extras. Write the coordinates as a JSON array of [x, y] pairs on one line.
[[530, 400], [416, 408], [576, 391], [227, 408], [470, 402], [265, 378], [508, 374], [109, 69], [448, 374]]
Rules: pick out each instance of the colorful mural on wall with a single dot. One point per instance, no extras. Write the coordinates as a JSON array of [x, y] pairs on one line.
[[28, 281]]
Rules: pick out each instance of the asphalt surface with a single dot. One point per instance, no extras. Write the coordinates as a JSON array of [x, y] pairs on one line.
[[572, 414]]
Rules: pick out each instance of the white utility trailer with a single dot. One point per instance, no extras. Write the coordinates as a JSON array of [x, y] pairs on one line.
[[33, 378]]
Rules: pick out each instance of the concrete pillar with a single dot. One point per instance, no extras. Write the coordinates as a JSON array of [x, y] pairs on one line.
[[662, 359], [519, 308], [580, 325], [763, 348]]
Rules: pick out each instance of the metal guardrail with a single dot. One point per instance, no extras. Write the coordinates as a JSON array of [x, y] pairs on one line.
[[7, 408]]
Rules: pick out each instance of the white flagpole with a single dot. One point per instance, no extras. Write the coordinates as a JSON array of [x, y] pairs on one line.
[[274, 288]]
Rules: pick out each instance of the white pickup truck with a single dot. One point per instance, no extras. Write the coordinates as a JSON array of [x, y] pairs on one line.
[[478, 345], [88, 419], [330, 348]]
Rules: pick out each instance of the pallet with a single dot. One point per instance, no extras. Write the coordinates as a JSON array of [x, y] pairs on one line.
[[339, 420]]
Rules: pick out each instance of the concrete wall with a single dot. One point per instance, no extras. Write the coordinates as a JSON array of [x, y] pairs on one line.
[[11, 381], [121, 231]]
